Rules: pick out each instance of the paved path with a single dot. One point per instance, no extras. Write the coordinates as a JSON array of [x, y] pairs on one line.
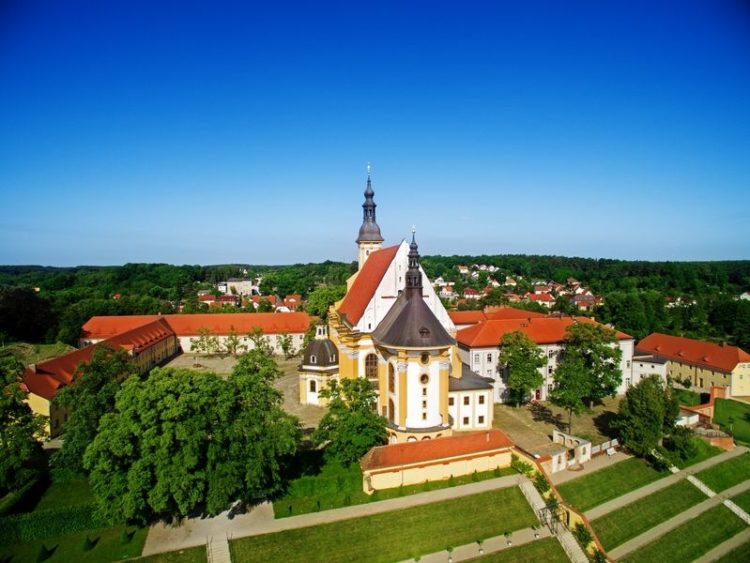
[[594, 464], [217, 550], [490, 545], [259, 520], [665, 527], [723, 548], [651, 488]]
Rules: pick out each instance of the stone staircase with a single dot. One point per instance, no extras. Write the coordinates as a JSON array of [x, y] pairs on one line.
[[217, 550]]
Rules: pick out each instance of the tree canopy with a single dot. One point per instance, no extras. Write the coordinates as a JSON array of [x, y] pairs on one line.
[[571, 385], [521, 359], [597, 348], [646, 413], [91, 395], [351, 426], [20, 428], [184, 441]]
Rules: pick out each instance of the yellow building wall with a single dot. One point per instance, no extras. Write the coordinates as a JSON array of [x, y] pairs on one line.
[[698, 376], [741, 380], [437, 471]]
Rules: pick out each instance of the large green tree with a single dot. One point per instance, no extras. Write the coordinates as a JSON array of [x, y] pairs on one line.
[[646, 413], [320, 300], [571, 385], [20, 428], [91, 395], [521, 359], [351, 426], [597, 348], [182, 441]]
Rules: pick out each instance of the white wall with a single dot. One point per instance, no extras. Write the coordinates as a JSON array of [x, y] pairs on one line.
[[472, 411]]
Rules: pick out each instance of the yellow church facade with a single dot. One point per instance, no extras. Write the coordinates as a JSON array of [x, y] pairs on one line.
[[392, 329]]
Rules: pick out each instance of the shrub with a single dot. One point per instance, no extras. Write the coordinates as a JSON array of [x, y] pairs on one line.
[[127, 536], [582, 534], [64, 475], [520, 466], [45, 553], [541, 484], [681, 443], [451, 481], [90, 544], [32, 526], [15, 498], [475, 477]]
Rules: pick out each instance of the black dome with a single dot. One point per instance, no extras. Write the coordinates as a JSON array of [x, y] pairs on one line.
[[320, 353]]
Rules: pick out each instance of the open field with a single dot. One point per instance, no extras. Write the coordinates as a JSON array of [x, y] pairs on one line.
[[692, 539], [609, 483], [704, 451], [632, 520], [35, 353], [743, 501], [547, 550], [742, 553], [736, 415], [727, 474], [336, 487], [394, 536], [67, 493]]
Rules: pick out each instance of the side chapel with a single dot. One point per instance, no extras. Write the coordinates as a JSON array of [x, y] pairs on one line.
[[392, 329]]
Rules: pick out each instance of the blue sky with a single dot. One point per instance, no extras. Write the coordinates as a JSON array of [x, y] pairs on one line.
[[208, 133]]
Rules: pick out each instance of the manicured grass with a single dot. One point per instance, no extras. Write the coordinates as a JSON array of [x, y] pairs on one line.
[[547, 550], [394, 536], [724, 409], [743, 501], [687, 398], [632, 520], [35, 353], [191, 555], [692, 539], [609, 483], [65, 494], [727, 474], [741, 553], [109, 547], [704, 451], [335, 487]]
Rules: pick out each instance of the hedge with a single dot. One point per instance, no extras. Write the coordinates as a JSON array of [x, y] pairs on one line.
[[14, 498], [40, 524]]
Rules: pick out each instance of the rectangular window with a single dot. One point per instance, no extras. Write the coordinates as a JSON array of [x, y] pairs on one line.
[[549, 370], [627, 364], [424, 391], [466, 400], [481, 399], [450, 401], [424, 404], [551, 354], [476, 359], [424, 416], [489, 357], [480, 420], [466, 421]]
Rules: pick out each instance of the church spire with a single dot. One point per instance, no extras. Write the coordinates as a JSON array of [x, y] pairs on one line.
[[369, 231], [413, 274]]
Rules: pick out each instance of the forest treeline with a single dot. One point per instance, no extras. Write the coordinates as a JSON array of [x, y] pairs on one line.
[[696, 299]]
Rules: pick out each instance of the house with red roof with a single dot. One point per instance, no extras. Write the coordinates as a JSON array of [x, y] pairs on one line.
[[544, 299], [471, 293], [149, 344], [479, 348], [704, 364]]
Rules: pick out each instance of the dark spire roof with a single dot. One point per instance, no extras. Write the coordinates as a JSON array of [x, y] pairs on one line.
[[410, 323], [369, 231]]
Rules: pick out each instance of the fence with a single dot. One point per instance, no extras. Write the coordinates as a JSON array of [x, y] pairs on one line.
[[601, 448]]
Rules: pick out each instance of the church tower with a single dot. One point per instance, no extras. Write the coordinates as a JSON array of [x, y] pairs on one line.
[[369, 239]]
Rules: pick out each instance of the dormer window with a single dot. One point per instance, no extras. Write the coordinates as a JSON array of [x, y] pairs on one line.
[[424, 332], [313, 360]]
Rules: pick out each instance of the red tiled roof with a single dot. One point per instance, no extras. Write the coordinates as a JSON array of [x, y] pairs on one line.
[[542, 330], [467, 317], [188, 324], [539, 297], [394, 455], [501, 313], [367, 281], [688, 351], [48, 376], [470, 291]]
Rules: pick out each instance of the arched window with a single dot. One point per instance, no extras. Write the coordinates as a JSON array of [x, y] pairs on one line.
[[391, 379], [313, 386], [371, 366]]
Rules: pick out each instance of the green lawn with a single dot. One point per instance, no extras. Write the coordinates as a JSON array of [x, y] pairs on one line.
[[703, 452], [724, 409], [394, 536], [35, 353], [632, 520], [609, 483], [547, 550], [692, 539], [66, 493], [335, 487], [191, 555], [68, 548], [687, 398], [743, 501], [727, 474], [741, 553]]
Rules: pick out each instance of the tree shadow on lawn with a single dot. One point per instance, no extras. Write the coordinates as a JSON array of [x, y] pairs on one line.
[[542, 413], [604, 423]]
